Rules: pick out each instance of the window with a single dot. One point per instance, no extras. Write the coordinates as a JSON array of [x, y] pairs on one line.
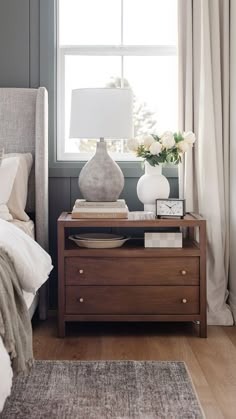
[[104, 43]]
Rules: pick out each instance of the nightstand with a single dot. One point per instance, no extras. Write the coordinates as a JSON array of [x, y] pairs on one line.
[[132, 283]]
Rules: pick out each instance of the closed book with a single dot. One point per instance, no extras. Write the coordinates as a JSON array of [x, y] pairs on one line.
[[81, 203], [92, 215], [98, 210]]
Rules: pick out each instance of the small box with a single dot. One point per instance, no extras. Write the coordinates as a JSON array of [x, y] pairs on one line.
[[163, 239]]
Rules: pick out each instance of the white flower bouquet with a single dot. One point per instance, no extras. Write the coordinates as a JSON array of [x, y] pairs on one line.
[[167, 148]]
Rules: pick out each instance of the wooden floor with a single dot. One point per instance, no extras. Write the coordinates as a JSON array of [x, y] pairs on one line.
[[211, 362]]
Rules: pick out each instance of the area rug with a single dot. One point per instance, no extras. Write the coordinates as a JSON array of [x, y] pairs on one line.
[[103, 390]]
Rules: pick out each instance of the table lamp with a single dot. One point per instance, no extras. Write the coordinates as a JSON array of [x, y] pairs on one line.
[[101, 113]]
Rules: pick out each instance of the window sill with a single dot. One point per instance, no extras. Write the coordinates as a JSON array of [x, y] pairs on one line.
[[129, 169]]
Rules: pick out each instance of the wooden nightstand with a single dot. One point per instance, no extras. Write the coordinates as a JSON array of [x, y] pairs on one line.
[[132, 283]]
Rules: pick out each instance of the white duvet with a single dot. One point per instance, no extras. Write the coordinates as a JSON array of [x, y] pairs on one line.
[[33, 266]]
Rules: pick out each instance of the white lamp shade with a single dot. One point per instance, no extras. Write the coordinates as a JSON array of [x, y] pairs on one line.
[[101, 113]]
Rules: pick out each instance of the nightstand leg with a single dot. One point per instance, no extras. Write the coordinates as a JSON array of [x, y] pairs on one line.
[[61, 328], [203, 329], [191, 233]]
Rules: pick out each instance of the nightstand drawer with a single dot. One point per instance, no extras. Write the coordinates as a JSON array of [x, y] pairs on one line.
[[132, 271], [132, 300]]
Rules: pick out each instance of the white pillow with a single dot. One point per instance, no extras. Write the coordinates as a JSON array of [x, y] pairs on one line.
[[18, 198], [8, 171]]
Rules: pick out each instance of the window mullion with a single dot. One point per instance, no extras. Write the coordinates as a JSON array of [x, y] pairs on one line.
[[122, 43], [122, 23], [61, 103]]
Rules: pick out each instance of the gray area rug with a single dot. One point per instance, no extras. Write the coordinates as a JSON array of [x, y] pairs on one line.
[[103, 390]]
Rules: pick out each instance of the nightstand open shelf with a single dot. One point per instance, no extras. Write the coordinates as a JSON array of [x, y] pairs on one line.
[[134, 246], [132, 283]]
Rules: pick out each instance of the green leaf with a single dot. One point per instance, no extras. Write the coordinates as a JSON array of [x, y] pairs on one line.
[[178, 137]]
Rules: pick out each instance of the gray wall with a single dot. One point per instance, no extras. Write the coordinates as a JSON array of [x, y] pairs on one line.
[[26, 60], [19, 43]]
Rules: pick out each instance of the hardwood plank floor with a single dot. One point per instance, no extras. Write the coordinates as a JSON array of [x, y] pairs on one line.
[[211, 362]]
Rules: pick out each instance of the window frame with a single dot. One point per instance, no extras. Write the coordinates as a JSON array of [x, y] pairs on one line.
[[95, 50]]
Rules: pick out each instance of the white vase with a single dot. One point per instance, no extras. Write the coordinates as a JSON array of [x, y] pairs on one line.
[[151, 186]]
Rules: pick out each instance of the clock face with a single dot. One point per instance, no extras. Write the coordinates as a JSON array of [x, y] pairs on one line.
[[170, 207]]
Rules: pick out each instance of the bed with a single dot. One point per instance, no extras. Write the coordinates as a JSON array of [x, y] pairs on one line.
[[23, 129], [32, 300]]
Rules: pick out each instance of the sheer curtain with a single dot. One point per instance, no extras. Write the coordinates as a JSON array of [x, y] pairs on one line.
[[204, 109], [232, 279]]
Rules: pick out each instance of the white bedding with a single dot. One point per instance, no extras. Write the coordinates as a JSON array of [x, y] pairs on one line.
[[26, 226], [29, 298], [33, 266], [6, 373], [32, 263]]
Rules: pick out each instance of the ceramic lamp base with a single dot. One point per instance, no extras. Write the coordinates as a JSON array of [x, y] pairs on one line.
[[101, 179]]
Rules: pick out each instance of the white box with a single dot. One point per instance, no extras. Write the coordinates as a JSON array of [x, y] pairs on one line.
[[163, 239]]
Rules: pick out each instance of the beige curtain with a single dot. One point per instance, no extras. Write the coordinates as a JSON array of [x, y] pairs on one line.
[[232, 280], [204, 109]]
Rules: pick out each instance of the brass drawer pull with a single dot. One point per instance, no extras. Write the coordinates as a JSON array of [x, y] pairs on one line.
[[81, 271], [184, 301], [183, 272]]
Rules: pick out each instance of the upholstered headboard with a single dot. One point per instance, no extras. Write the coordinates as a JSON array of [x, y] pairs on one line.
[[24, 128]]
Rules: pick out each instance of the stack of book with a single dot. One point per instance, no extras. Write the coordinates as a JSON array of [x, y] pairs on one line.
[[88, 209]]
